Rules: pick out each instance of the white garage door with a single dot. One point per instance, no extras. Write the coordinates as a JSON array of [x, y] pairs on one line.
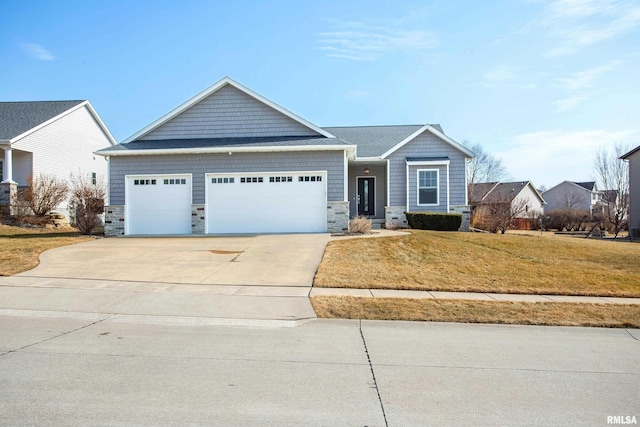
[[267, 202], [158, 204]]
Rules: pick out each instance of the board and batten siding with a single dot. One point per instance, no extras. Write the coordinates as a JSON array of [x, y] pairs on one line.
[[61, 148], [200, 164], [427, 145], [226, 113]]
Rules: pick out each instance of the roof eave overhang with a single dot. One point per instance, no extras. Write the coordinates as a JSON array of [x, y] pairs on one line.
[[349, 149]]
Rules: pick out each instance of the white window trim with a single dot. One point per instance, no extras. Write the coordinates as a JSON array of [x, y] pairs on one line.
[[437, 171]]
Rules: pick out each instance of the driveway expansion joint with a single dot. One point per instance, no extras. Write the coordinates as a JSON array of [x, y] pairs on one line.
[[373, 374]]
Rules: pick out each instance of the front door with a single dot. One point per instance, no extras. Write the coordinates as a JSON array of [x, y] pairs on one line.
[[366, 196]]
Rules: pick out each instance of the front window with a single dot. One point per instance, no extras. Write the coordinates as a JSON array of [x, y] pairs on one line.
[[428, 187]]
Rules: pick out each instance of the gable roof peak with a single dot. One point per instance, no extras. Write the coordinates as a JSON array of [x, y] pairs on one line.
[[225, 81]]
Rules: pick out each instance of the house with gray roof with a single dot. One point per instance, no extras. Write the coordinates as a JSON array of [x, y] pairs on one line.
[[633, 157], [521, 198], [231, 161], [54, 138], [576, 196]]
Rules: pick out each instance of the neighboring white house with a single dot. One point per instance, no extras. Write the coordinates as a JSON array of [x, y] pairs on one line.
[[633, 157], [56, 138], [525, 200], [578, 196]]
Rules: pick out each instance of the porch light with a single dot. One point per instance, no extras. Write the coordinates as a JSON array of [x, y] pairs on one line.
[[367, 171]]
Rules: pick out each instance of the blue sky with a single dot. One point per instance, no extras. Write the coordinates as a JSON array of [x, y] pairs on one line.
[[539, 83]]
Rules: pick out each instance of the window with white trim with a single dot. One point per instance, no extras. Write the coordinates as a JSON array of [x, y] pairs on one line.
[[175, 181], [427, 187]]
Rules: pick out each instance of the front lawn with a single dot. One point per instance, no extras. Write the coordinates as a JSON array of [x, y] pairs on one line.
[[466, 311], [21, 247], [470, 262]]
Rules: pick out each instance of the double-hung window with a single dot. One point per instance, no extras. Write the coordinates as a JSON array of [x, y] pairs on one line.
[[427, 187]]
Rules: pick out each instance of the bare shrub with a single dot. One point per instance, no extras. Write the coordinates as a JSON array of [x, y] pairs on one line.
[[43, 194], [568, 219], [360, 225], [87, 202]]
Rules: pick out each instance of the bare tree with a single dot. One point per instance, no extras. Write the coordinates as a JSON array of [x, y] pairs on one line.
[[43, 194], [484, 167], [612, 174], [572, 199], [498, 215], [87, 202]]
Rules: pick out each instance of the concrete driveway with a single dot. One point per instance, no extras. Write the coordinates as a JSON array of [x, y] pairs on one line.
[[264, 260]]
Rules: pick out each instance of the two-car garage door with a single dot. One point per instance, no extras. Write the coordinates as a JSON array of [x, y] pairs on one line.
[[235, 203]]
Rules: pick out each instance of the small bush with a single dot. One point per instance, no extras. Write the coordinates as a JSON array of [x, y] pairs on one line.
[[434, 221], [43, 194], [87, 202], [360, 225]]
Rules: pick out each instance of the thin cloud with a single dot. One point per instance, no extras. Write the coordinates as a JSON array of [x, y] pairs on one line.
[[38, 52], [550, 157], [500, 73], [358, 41], [579, 86], [576, 24]]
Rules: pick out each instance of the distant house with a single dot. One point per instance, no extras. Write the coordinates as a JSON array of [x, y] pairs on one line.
[[633, 157], [577, 196], [522, 200], [53, 138]]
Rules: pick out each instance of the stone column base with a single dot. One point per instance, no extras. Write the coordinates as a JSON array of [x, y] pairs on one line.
[[394, 217], [337, 217], [197, 219], [114, 220], [466, 216], [8, 192]]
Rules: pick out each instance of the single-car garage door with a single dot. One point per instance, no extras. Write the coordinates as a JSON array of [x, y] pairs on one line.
[[159, 204], [283, 202]]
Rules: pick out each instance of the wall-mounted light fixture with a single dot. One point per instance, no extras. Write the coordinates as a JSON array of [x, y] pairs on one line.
[[367, 171]]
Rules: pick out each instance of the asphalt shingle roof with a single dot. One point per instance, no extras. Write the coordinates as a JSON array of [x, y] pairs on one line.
[[373, 141], [588, 185], [18, 117]]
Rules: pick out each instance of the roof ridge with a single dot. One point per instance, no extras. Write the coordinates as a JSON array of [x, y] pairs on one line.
[[374, 126], [31, 102]]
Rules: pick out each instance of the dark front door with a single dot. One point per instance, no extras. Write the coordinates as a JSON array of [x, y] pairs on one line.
[[366, 196]]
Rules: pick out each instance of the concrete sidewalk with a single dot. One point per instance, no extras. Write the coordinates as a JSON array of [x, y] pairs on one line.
[[478, 296]]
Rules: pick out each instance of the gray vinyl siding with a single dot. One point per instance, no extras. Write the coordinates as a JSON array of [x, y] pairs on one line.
[[567, 196], [226, 113], [200, 164], [379, 172], [427, 145], [442, 189], [634, 190]]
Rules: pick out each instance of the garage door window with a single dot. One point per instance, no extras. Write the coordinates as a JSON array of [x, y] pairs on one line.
[[250, 179], [144, 182], [177, 181], [309, 178], [280, 179], [225, 180]]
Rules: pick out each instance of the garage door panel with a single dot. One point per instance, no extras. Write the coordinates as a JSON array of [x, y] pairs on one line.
[[286, 205], [158, 204]]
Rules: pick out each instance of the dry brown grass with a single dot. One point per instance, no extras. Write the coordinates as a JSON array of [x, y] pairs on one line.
[[466, 311], [21, 247], [472, 262], [360, 225]]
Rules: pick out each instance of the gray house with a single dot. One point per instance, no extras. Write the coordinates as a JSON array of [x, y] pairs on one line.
[[633, 157], [577, 196], [231, 161]]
